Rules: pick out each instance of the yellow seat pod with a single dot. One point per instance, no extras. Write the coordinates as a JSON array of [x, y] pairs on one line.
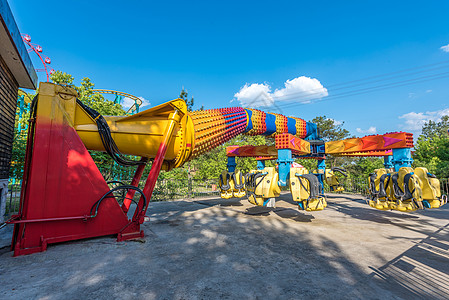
[[226, 185], [332, 181], [304, 188], [380, 189], [238, 180], [261, 185], [430, 186]]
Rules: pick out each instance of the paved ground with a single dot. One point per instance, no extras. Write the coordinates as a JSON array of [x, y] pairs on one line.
[[228, 249]]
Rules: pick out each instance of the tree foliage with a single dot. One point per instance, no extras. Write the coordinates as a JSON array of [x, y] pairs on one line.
[[432, 128], [330, 130], [184, 95], [432, 148], [212, 163]]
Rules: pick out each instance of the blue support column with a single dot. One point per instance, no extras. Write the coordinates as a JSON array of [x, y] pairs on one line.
[[402, 157], [321, 166], [231, 164], [260, 164], [285, 162], [388, 162]]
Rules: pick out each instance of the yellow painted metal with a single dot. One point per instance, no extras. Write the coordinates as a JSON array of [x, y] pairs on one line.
[[300, 190], [139, 134], [381, 203], [420, 186], [232, 184], [254, 188], [298, 194], [226, 185], [239, 184], [270, 187], [142, 133], [264, 186], [430, 187], [332, 181]]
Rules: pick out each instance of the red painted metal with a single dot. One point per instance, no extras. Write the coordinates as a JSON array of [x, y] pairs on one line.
[[62, 186], [135, 182], [131, 229], [84, 218], [61, 183]]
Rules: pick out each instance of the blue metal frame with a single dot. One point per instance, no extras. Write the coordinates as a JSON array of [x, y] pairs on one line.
[[388, 161], [285, 162], [402, 157], [231, 164], [321, 166]]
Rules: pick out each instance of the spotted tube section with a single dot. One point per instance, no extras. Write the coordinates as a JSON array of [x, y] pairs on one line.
[[214, 127], [270, 124]]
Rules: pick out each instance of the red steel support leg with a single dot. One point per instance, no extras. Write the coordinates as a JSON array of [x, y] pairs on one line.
[[132, 229], [135, 182]]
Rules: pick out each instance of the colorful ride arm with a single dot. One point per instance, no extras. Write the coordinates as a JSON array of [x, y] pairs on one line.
[[197, 132]]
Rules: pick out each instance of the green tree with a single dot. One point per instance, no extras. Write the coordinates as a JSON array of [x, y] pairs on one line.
[[329, 130], [432, 128], [211, 164], [184, 95], [19, 142], [87, 96], [362, 166], [432, 148]]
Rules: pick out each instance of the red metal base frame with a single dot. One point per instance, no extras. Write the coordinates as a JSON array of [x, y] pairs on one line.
[[61, 185]]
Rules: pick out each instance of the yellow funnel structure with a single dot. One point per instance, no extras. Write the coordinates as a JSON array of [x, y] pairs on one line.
[[141, 134]]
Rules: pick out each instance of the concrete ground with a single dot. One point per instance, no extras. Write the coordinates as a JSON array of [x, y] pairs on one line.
[[208, 249]]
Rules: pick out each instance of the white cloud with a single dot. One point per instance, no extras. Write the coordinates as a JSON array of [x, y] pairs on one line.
[[429, 91], [255, 95], [301, 89], [336, 122], [371, 130], [445, 48], [415, 121], [128, 102]]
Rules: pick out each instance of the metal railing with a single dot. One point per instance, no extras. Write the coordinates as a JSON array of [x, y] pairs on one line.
[[172, 189], [164, 190], [13, 199], [352, 186]]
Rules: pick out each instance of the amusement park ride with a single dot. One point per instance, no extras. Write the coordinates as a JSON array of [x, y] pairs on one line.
[[38, 50], [119, 97], [64, 196]]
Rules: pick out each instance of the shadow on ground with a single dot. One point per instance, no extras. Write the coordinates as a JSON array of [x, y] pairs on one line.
[[214, 249]]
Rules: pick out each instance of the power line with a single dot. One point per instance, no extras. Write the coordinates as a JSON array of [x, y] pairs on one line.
[[374, 88], [307, 94], [311, 94]]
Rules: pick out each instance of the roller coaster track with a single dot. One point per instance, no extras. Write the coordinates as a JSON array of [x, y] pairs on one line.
[[136, 99]]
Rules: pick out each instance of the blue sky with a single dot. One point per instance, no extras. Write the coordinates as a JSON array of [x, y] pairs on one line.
[[213, 49]]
